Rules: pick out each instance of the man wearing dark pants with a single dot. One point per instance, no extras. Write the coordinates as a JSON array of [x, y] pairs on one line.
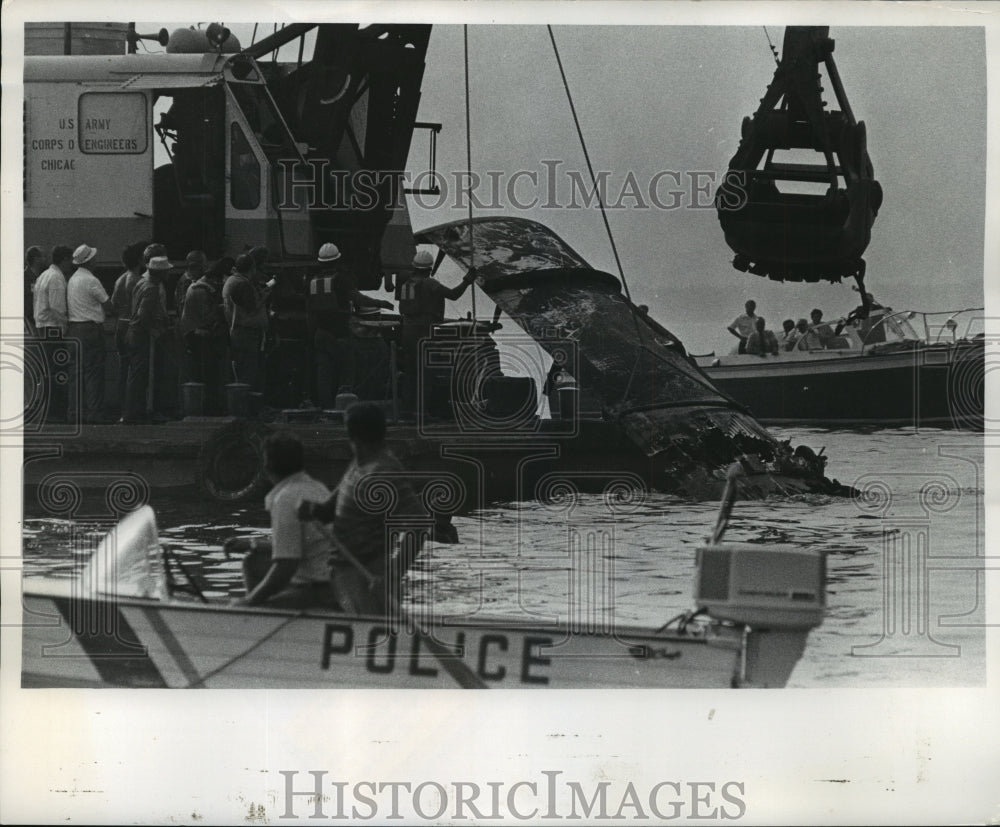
[[246, 313], [49, 293], [121, 299], [421, 305], [203, 326], [34, 265], [332, 298], [148, 320], [87, 302]]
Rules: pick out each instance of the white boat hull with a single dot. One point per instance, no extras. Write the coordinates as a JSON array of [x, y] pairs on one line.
[[70, 641]]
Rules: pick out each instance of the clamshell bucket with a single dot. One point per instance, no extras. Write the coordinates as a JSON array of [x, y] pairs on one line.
[[775, 230]]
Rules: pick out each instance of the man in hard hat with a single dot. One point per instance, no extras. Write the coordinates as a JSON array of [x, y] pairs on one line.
[[333, 295], [421, 306], [87, 302]]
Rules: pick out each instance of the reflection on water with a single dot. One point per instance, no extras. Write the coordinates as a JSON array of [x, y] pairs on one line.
[[587, 562]]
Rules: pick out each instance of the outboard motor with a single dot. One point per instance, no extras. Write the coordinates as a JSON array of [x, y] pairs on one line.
[[798, 236]]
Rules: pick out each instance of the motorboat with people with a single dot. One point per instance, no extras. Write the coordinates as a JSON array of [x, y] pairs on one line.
[[135, 617], [889, 368]]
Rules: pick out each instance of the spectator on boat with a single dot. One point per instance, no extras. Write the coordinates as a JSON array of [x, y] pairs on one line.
[[367, 578], [34, 266], [121, 299], [787, 338], [824, 333], [244, 303], [743, 326], [762, 342], [87, 303], [291, 569], [421, 306], [51, 319], [805, 338], [206, 338], [333, 295], [147, 322]]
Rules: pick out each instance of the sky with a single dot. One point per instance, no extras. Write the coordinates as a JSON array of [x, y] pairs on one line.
[[653, 99], [661, 107]]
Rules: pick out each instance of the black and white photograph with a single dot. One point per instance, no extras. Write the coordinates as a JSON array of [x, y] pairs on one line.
[[623, 347]]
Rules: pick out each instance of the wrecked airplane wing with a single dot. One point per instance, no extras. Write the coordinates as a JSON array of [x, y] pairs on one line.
[[670, 410]]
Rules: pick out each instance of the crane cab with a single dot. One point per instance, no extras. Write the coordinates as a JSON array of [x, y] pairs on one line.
[[187, 149]]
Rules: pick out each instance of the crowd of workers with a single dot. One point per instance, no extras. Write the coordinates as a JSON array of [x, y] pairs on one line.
[[815, 334], [225, 313]]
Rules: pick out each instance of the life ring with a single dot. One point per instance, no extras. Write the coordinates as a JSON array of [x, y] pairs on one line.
[[231, 462]]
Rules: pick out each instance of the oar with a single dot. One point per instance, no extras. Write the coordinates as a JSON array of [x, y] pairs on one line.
[[461, 673], [728, 498]]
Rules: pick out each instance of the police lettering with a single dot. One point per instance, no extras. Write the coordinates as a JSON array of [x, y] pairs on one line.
[[529, 660], [382, 643]]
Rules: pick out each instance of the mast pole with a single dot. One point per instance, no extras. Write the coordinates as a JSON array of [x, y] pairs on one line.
[[468, 164]]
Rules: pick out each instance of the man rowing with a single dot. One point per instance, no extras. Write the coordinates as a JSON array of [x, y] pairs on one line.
[[370, 559]]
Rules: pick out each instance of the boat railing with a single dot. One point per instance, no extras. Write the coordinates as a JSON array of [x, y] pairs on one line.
[[929, 327]]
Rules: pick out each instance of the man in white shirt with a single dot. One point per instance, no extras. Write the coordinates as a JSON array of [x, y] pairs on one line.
[[50, 293], [51, 320], [744, 325], [87, 302], [292, 568]]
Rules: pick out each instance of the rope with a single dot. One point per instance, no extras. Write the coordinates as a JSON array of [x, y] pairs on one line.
[[590, 166], [468, 164], [213, 672], [593, 180]]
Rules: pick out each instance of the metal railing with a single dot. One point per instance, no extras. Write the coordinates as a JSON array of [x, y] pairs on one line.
[[924, 327]]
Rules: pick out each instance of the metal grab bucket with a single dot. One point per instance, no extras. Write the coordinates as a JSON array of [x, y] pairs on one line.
[[193, 398], [238, 400]]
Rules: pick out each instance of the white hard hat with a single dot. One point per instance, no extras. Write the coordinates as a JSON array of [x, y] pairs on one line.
[[329, 252], [423, 260]]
